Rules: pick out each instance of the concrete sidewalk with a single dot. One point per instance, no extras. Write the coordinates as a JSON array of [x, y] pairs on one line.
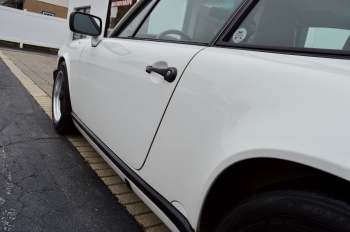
[[35, 73], [37, 67]]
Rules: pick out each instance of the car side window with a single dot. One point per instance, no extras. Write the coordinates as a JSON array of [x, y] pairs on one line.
[[296, 24], [196, 21], [131, 28]]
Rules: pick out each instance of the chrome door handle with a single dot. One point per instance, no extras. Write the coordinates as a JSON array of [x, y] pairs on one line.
[[169, 74]]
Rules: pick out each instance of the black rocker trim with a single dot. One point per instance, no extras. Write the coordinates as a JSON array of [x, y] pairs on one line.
[[166, 207]]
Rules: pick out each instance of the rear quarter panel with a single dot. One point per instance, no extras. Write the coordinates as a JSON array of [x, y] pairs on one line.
[[231, 105]]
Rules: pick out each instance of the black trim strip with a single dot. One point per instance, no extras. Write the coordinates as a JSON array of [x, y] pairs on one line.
[[163, 41], [166, 207], [291, 51]]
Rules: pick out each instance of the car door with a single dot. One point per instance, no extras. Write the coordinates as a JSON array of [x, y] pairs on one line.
[[121, 102]]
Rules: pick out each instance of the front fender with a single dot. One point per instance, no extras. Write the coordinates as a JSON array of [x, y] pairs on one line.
[[70, 53]]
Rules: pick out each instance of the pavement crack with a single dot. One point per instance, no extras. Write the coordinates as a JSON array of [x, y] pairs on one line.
[[32, 140]]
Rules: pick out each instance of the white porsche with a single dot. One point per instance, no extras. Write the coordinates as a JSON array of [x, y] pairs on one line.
[[221, 115]]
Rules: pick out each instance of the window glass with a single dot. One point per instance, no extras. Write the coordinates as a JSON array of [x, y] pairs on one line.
[[130, 29], [87, 24], [187, 20], [315, 24], [326, 38], [83, 10], [117, 10]]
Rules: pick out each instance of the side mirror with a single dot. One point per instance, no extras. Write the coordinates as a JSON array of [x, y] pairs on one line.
[[85, 24]]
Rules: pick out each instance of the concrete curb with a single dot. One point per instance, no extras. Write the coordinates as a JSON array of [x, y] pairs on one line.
[[132, 203]]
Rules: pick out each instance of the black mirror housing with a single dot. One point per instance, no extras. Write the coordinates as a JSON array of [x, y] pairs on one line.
[[85, 24]]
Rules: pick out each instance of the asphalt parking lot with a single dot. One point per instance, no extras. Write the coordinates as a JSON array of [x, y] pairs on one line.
[[50, 182], [45, 184]]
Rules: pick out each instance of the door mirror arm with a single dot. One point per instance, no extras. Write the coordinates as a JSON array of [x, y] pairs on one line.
[[95, 40]]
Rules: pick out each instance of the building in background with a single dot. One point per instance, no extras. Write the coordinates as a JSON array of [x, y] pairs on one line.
[[55, 8]]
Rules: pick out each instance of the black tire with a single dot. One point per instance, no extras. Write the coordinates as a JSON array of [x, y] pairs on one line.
[[288, 211], [61, 104]]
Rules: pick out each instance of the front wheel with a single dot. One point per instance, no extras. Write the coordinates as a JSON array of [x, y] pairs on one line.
[[288, 211], [61, 105]]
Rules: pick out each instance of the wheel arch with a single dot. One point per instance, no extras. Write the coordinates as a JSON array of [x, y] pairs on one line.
[[242, 178], [60, 60], [64, 56]]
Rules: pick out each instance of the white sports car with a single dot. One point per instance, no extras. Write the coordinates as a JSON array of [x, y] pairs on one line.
[[225, 115]]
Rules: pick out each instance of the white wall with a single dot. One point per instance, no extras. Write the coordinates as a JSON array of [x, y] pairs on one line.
[[99, 8], [30, 28]]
